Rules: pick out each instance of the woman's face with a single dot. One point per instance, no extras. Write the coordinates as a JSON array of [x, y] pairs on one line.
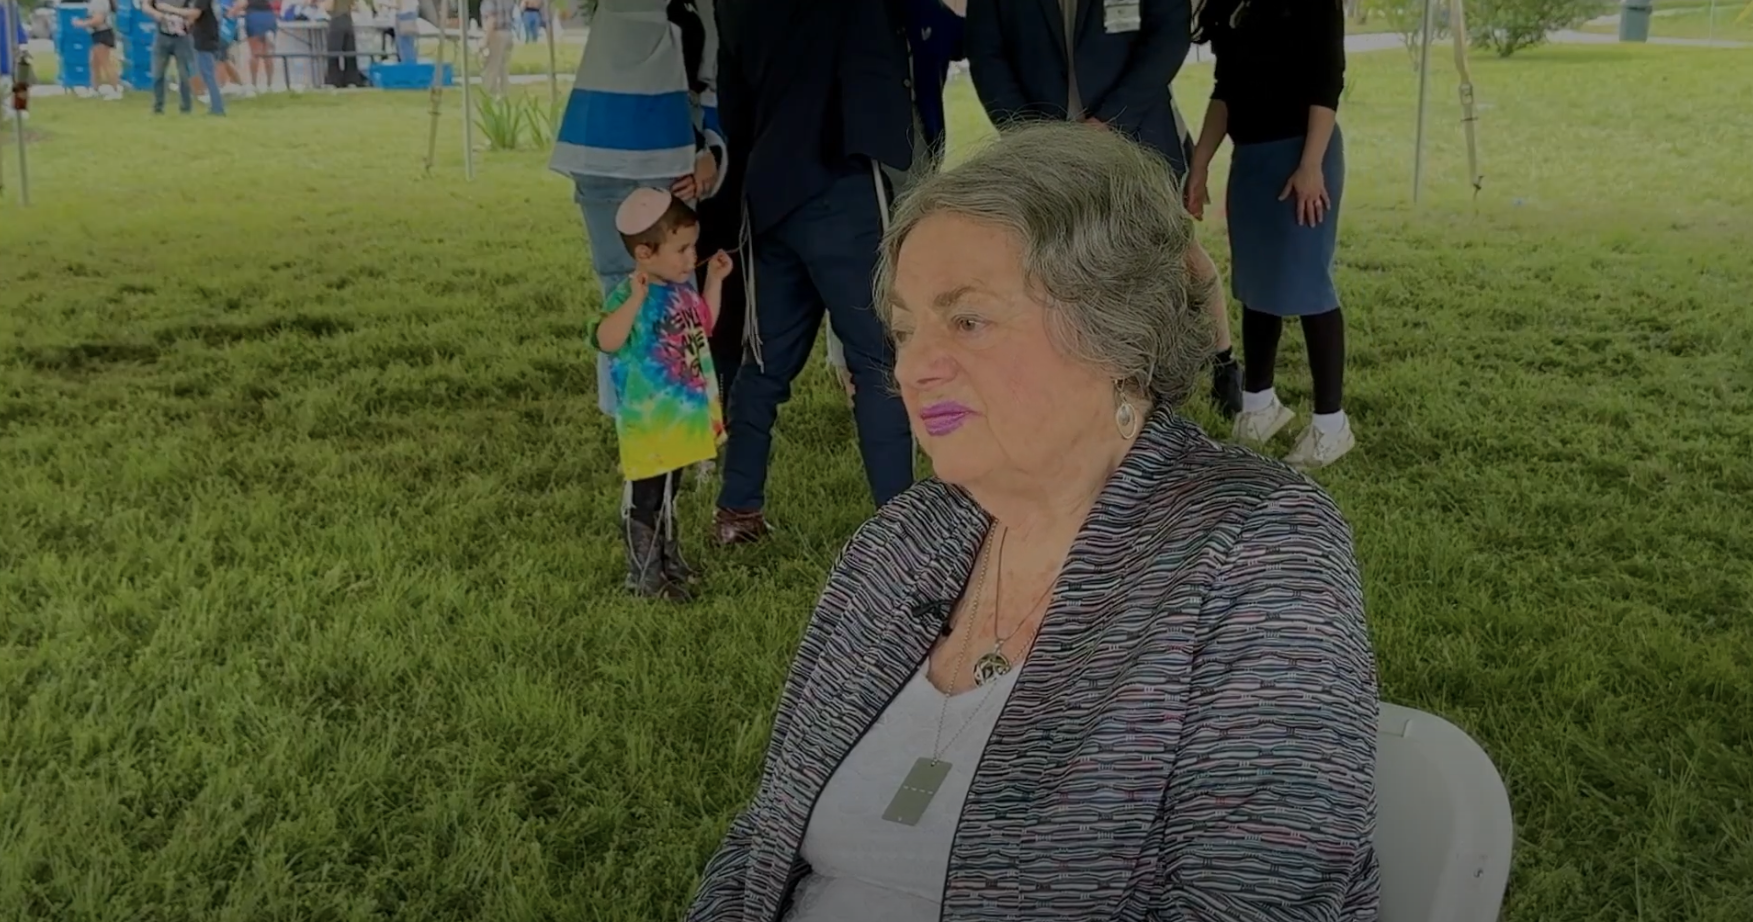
[[991, 398]]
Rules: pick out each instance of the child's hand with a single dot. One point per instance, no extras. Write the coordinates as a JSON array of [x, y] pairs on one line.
[[719, 267], [637, 288]]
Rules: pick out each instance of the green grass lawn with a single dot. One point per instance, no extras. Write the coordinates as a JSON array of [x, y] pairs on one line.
[[309, 598], [1693, 21], [526, 57]]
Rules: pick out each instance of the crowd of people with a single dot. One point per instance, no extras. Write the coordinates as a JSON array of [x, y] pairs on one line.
[[792, 152], [207, 39], [1100, 665]]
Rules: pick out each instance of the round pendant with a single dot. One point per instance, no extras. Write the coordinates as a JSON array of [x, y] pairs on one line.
[[989, 667]]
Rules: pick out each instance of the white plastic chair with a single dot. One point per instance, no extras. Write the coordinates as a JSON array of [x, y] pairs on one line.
[[1443, 828]]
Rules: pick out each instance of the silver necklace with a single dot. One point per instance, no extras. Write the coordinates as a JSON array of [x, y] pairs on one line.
[[993, 664], [922, 783]]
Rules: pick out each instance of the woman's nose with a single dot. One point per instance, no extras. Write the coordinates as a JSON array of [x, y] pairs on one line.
[[921, 361]]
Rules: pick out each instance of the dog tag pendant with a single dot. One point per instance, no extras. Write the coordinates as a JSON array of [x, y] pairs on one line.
[[917, 791]]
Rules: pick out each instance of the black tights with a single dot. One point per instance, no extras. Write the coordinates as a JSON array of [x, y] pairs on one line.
[[649, 497], [1325, 336]]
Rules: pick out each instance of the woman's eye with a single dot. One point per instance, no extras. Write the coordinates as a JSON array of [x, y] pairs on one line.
[[968, 324]]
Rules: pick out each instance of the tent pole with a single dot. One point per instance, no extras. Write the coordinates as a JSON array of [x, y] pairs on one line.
[[437, 87], [1423, 100], [554, 59], [468, 98]]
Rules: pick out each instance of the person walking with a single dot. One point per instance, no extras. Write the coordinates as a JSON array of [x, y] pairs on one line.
[[1108, 64], [1280, 72], [817, 99], [172, 43]]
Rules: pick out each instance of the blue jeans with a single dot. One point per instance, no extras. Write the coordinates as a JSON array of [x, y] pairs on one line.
[[598, 197], [164, 48], [209, 62], [818, 262], [408, 38]]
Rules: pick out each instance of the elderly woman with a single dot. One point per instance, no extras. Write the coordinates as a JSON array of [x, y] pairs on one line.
[[1098, 667]]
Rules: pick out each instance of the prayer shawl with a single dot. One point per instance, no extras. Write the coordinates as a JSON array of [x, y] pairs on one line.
[[630, 115]]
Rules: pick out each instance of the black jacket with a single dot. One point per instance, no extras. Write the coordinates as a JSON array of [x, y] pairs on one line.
[[1016, 55], [809, 90]]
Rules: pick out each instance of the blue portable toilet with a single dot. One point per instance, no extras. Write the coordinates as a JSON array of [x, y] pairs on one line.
[[73, 45], [135, 32], [12, 35]]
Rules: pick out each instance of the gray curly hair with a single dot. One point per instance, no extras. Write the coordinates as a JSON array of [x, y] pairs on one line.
[[1105, 242]]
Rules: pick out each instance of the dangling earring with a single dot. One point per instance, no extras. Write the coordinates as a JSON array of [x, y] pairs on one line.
[[1126, 418]]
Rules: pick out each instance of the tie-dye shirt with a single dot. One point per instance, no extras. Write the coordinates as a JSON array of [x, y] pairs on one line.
[[668, 414]]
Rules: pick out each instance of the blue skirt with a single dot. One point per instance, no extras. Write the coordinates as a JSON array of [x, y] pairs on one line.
[[1277, 266]]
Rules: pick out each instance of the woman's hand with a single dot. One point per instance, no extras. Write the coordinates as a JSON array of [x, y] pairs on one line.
[[1310, 189], [718, 268], [1198, 191], [685, 188]]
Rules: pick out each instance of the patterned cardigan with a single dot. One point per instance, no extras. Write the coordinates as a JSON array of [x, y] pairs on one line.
[[1191, 739]]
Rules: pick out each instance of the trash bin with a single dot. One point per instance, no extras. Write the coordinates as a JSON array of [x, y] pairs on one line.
[[1634, 20]]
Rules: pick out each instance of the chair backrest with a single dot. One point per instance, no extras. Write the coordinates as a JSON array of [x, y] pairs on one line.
[[1444, 834]]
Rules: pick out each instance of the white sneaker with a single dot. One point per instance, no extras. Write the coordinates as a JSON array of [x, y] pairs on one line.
[[1257, 427], [1319, 449]]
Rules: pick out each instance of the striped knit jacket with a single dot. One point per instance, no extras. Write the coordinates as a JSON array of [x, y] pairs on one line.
[[1191, 739], [630, 114]]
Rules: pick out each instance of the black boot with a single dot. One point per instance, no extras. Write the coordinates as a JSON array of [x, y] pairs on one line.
[[675, 567], [1226, 386], [645, 570]]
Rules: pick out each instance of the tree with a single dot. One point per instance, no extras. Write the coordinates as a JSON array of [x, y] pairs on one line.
[[1508, 26]]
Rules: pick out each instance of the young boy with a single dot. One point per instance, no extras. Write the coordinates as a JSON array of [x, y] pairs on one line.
[[654, 328]]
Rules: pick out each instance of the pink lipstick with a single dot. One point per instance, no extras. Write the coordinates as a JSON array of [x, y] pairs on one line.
[[941, 419]]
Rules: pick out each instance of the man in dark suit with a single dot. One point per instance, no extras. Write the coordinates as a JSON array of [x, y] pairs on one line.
[[1107, 63], [816, 101]]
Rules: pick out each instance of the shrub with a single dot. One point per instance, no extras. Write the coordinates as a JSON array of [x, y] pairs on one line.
[[502, 121], [1504, 26], [1507, 26]]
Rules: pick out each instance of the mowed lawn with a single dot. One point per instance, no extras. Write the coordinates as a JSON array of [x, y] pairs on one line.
[[309, 601]]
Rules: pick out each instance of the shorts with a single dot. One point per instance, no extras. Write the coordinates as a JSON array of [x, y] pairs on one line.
[[257, 23], [104, 37]]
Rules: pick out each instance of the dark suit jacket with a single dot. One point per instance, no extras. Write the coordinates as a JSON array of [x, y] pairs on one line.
[[1016, 55], [809, 90]]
